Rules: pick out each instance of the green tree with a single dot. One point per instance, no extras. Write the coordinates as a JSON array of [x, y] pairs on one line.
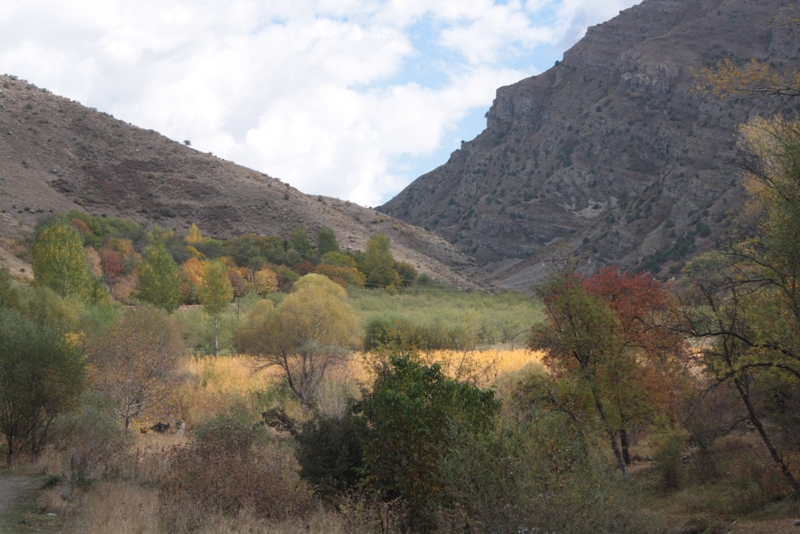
[[300, 242], [378, 263], [326, 241], [136, 362], [59, 262], [215, 292], [415, 414], [159, 279], [41, 376], [313, 330], [744, 303], [583, 334]]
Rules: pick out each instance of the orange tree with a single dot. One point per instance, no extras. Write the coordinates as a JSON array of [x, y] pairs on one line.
[[606, 335]]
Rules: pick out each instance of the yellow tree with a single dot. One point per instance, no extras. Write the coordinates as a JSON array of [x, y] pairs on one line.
[[312, 331], [59, 262], [136, 363]]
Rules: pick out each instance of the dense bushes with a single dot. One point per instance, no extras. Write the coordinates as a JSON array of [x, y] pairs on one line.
[[227, 469]]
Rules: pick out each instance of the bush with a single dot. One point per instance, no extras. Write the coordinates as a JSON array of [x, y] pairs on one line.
[[537, 477], [226, 471], [330, 453], [414, 415], [669, 459]]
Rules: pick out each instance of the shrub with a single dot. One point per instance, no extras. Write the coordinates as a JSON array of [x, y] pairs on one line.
[[415, 414], [330, 453], [226, 471], [540, 476]]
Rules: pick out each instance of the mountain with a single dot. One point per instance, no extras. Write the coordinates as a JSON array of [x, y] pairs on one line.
[[57, 155], [612, 154]]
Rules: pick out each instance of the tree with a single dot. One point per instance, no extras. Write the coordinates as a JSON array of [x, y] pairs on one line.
[[159, 279], [265, 281], [379, 264], [581, 336], [312, 331], [215, 293], [300, 242], [326, 241], [744, 301], [136, 363], [414, 415], [41, 376], [59, 262], [407, 272]]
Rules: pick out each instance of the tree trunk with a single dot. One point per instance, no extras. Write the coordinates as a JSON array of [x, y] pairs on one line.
[[623, 439], [216, 335], [751, 412], [611, 434]]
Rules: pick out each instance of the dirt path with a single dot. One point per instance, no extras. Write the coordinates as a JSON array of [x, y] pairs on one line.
[[18, 512]]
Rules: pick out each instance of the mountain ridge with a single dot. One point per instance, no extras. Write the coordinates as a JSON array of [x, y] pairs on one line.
[[611, 155]]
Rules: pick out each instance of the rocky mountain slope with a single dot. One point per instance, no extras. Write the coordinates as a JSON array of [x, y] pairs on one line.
[[57, 155], [611, 154]]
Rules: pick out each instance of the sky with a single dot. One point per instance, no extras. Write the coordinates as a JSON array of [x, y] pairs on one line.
[[346, 98]]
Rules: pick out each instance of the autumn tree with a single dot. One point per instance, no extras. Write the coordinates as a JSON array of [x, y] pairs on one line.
[[59, 262], [313, 330], [609, 333], [41, 376], [136, 363], [379, 264], [159, 279], [265, 281], [743, 302], [215, 293]]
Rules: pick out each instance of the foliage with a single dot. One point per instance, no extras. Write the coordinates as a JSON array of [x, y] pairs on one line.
[[59, 262], [41, 376], [408, 274], [330, 453], [136, 363], [378, 264], [608, 332], [265, 281], [414, 415], [399, 335], [215, 293], [343, 275], [300, 242], [539, 475], [227, 472], [326, 241], [311, 331], [745, 306], [159, 279], [728, 79]]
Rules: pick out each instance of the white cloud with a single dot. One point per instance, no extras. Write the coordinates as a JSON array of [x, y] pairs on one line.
[[326, 94]]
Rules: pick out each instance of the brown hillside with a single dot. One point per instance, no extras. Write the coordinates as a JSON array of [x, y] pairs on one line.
[[57, 155], [611, 154]]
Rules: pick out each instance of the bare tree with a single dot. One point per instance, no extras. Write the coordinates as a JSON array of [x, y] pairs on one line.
[[136, 363]]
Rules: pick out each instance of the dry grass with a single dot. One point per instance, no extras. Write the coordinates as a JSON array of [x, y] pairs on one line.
[[119, 507]]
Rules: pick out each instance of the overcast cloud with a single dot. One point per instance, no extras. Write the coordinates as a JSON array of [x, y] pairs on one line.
[[348, 98]]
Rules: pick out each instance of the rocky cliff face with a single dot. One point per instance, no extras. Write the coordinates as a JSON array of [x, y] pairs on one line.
[[612, 154]]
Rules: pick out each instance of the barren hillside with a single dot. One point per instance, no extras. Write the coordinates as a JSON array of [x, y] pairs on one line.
[[57, 155]]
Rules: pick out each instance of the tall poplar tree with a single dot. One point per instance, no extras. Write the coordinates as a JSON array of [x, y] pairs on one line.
[[215, 292], [59, 262], [159, 279]]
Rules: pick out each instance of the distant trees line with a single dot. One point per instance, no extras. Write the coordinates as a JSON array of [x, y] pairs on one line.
[[92, 258]]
